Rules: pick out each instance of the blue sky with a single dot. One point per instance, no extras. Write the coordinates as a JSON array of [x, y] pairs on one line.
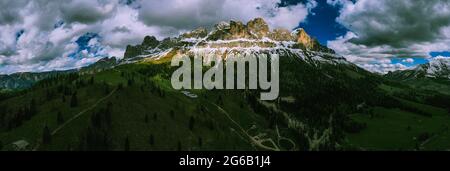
[[322, 25], [348, 27], [48, 35]]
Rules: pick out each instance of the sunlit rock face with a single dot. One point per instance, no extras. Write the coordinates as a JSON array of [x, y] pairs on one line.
[[234, 37], [258, 28], [303, 38], [195, 34]]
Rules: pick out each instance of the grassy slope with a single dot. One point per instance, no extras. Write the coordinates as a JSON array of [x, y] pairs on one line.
[[397, 129], [214, 129], [130, 105]]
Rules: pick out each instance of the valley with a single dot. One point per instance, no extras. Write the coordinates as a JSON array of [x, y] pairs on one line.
[[325, 103]]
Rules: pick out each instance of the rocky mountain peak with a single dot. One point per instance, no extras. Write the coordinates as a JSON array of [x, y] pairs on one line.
[[258, 27], [304, 38], [222, 25], [238, 30], [234, 35], [150, 41], [281, 34], [438, 67], [197, 33]]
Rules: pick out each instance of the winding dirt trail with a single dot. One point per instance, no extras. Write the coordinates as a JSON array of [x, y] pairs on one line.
[[257, 140], [77, 116]]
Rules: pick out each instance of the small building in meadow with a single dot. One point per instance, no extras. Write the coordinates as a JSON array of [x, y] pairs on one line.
[[20, 145]]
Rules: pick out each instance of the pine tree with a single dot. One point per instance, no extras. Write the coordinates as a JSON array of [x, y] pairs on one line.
[[127, 144], [220, 100], [74, 100], [155, 116], [91, 80], [200, 141], [179, 146], [106, 88], [191, 123], [46, 135], [151, 140], [146, 118], [172, 114], [59, 118], [48, 94], [33, 107]]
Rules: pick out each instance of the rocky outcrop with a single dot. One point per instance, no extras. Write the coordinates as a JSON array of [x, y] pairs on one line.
[[149, 42], [256, 33], [304, 38], [437, 67], [258, 28], [197, 33], [254, 29], [281, 35]]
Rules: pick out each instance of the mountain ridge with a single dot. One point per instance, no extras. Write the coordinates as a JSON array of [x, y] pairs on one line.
[[231, 36], [324, 102], [437, 68]]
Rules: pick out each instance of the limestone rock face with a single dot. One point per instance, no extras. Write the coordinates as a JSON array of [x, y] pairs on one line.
[[223, 25], [150, 42], [258, 27], [233, 34], [132, 51], [197, 33], [305, 39], [281, 35], [237, 30]]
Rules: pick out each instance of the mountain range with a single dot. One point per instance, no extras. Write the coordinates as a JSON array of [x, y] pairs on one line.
[[325, 102]]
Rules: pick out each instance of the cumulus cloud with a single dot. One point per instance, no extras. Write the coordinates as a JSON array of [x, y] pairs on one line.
[[182, 15], [86, 11], [395, 23], [35, 41], [44, 35], [385, 28], [11, 14]]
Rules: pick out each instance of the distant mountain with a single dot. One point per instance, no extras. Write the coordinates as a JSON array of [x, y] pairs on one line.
[[434, 76], [235, 37], [255, 36], [438, 68], [27, 79], [324, 103], [24, 80]]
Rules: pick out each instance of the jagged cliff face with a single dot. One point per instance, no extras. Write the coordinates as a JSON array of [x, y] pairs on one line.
[[224, 39], [437, 68], [258, 27], [303, 38], [148, 43], [232, 37]]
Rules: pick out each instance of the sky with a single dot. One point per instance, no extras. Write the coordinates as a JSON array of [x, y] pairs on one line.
[[380, 36]]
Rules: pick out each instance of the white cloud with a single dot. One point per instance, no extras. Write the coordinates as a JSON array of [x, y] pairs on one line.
[[386, 29], [50, 28], [86, 11], [182, 15]]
